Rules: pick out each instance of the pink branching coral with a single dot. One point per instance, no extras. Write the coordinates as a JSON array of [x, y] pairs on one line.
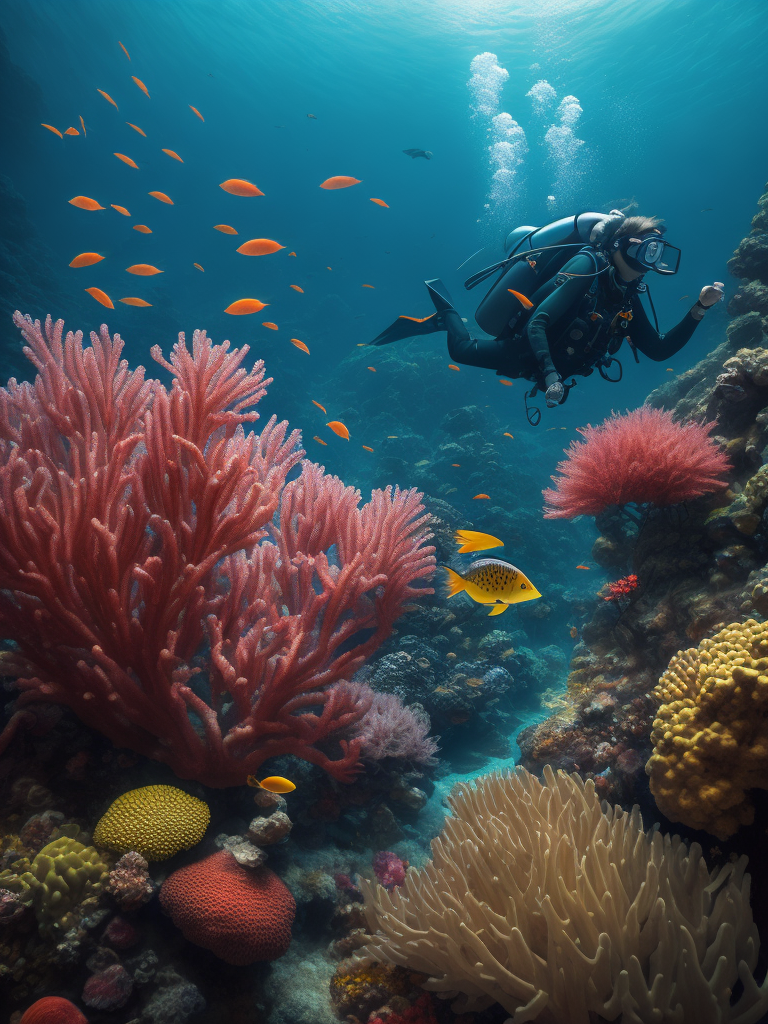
[[641, 457], [159, 574], [621, 588]]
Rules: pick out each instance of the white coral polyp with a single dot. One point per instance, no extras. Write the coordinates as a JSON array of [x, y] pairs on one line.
[[540, 899]]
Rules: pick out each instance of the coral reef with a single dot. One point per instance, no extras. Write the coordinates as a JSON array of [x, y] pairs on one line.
[[186, 566], [240, 915], [389, 869], [154, 821], [109, 989], [129, 883], [628, 922], [53, 1010], [710, 734], [359, 988]]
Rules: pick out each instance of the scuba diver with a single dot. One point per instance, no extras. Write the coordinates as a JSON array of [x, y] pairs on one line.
[[567, 296]]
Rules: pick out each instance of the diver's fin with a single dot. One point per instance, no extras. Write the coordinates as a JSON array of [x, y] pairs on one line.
[[454, 582], [451, 321], [409, 327], [498, 609]]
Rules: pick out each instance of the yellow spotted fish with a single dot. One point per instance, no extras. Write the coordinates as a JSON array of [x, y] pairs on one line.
[[492, 581], [274, 784]]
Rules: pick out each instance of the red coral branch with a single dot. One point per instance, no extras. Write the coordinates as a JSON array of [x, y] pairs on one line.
[[643, 457], [145, 583]]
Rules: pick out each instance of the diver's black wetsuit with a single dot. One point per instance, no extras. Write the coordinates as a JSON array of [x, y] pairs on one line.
[[573, 327]]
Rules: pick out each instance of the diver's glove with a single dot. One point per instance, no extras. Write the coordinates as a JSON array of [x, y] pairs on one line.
[[555, 393], [708, 296]]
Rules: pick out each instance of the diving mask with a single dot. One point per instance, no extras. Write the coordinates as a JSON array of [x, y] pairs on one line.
[[650, 252]]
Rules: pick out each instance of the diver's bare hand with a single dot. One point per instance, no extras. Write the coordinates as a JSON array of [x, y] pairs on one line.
[[711, 293]]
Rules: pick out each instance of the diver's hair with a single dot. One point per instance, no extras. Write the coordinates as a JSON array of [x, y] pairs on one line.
[[639, 226]]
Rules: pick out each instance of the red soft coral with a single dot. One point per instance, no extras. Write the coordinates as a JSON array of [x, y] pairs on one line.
[[643, 457]]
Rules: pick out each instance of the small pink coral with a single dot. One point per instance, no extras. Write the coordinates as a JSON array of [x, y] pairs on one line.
[[108, 989], [389, 869], [121, 934]]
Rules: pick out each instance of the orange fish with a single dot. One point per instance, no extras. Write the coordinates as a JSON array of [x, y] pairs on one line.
[[453, 366], [368, 286], [71, 131], [270, 325], [524, 302], [52, 129], [143, 270], [339, 181], [101, 297], [136, 128], [244, 306], [321, 407], [196, 111], [456, 465], [133, 301], [670, 370], [120, 209], [141, 85], [320, 440], [126, 160], [380, 202], [86, 259], [240, 187], [573, 632], [109, 99], [198, 266], [582, 567], [225, 229], [174, 154], [367, 448], [82, 125], [338, 428], [297, 289], [259, 247], [162, 197], [509, 435], [291, 253], [329, 268], [123, 49], [481, 496], [300, 344], [142, 228], [372, 369], [507, 383], [84, 203]]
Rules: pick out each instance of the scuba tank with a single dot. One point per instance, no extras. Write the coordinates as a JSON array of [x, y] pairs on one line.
[[550, 246]]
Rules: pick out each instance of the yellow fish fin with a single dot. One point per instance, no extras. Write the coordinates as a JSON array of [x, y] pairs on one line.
[[498, 609], [454, 582], [470, 540]]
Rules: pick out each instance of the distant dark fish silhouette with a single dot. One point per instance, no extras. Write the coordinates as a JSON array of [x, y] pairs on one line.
[[312, 116], [413, 153]]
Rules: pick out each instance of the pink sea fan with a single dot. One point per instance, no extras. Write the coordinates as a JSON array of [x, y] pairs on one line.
[[390, 729], [642, 457]]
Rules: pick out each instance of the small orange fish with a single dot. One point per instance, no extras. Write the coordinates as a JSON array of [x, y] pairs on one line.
[[300, 344], [259, 247], [481, 496], [573, 632], [338, 428], [507, 383], [582, 567], [392, 437], [71, 131], [274, 784], [52, 129], [291, 253], [240, 187], [225, 229], [339, 181], [320, 440], [321, 407], [368, 286], [123, 49], [172, 153], [196, 111], [456, 465], [329, 268], [126, 160], [109, 99], [471, 540], [101, 297], [162, 197], [507, 434], [136, 128], [297, 289], [82, 125], [143, 270], [244, 306], [453, 366], [84, 203], [142, 228], [198, 267], [133, 301], [524, 302], [367, 448], [380, 202], [372, 369], [141, 85], [120, 209], [670, 370], [270, 325], [86, 259]]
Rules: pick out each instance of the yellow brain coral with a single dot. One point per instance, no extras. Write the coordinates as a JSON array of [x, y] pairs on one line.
[[155, 821], [710, 735]]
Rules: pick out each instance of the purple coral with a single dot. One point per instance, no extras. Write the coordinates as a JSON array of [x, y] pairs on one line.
[[389, 869], [390, 729]]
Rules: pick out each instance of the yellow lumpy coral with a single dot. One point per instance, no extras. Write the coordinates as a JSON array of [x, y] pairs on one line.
[[155, 821], [710, 735]]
